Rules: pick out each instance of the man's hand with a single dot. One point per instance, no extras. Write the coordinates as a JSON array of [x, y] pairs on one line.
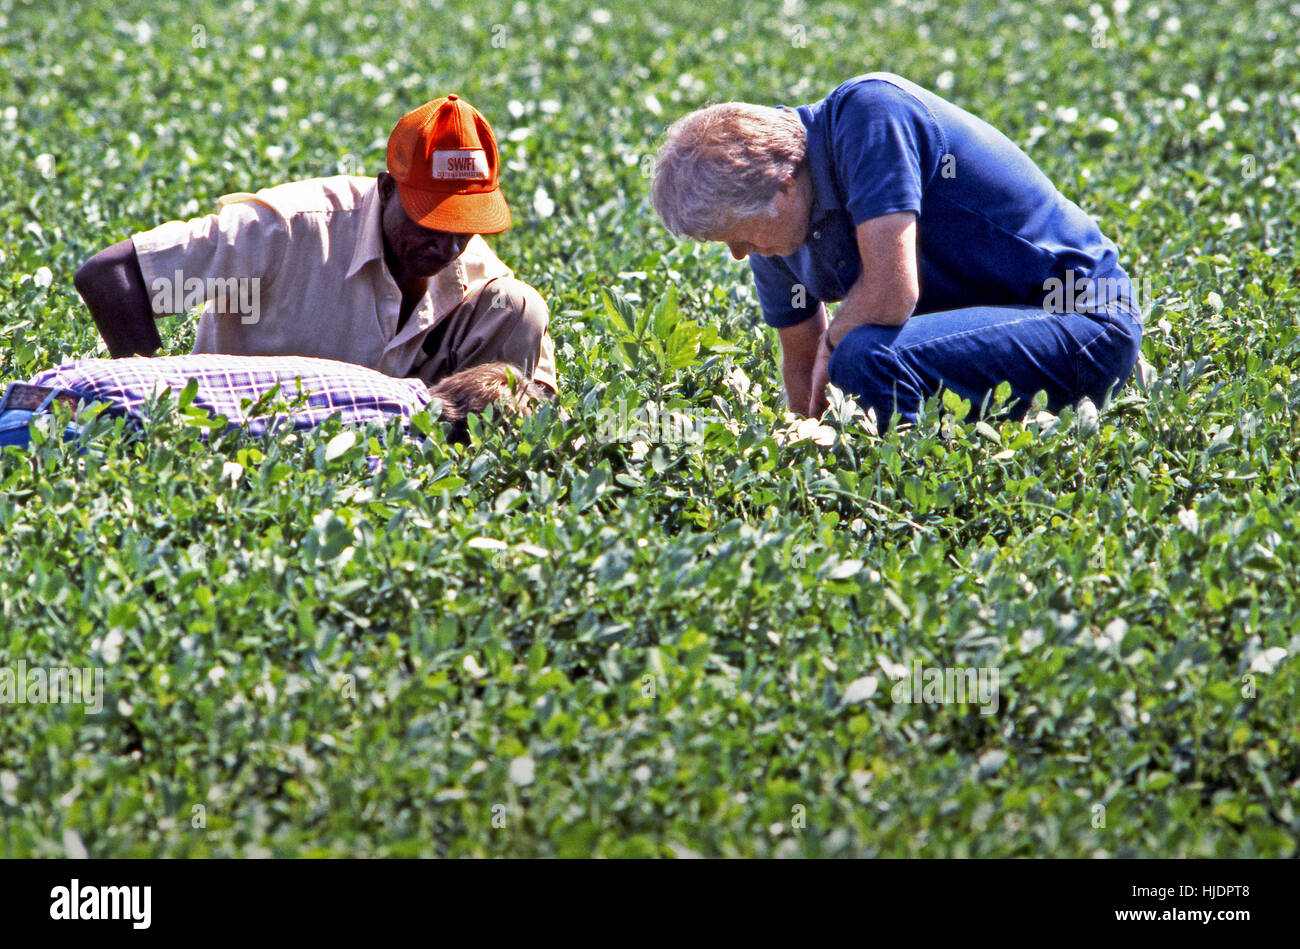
[[821, 377], [799, 345]]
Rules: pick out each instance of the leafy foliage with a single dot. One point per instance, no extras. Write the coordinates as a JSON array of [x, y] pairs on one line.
[[556, 642]]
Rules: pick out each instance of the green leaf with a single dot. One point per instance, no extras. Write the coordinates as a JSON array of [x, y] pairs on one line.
[[619, 309]]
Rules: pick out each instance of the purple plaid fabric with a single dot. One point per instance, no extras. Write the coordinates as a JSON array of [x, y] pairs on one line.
[[228, 385]]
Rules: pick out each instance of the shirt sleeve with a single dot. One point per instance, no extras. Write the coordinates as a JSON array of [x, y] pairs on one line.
[[880, 139], [784, 298], [185, 263]]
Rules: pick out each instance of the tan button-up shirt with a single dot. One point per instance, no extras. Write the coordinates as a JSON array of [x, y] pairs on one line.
[[314, 252]]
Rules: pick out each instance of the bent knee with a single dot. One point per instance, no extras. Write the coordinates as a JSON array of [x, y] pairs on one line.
[[1128, 345], [520, 300], [863, 356]]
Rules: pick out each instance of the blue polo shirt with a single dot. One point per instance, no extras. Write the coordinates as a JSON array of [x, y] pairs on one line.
[[991, 229]]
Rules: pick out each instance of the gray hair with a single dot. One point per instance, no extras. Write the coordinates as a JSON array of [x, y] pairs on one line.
[[724, 163]]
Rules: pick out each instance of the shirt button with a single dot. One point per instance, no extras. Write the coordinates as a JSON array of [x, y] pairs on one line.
[[839, 264], [817, 235]]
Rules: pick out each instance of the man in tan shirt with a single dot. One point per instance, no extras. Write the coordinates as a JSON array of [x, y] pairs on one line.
[[387, 272]]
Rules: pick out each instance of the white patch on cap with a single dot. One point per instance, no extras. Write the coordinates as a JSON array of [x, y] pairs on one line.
[[453, 163]]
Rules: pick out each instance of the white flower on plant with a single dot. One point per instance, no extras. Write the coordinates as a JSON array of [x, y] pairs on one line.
[[216, 674], [1112, 635], [542, 203], [601, 17], [274, 152], [860, 690], [45, 165], [43, 277], [1031, 639], [515, 108], [1266, 661], [1067, 114], [1108, 125], [895, 670], [1127, 711], [523, 770], [110, 647], [1214, 123], [944, 81], [991, 762], [471, 666], [279, 85]]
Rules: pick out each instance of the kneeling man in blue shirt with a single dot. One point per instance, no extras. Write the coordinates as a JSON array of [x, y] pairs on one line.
[[957, 264]]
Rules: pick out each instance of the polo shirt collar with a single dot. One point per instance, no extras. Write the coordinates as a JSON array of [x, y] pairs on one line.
[[825, 195]]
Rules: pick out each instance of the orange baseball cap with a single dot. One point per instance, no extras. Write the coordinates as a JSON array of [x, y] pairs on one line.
[[444, 158]]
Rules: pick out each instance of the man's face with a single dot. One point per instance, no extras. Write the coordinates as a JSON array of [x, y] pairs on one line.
[[773, 234], [413, 250]]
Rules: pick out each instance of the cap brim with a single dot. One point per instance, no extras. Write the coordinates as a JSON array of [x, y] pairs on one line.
[[485, 213]]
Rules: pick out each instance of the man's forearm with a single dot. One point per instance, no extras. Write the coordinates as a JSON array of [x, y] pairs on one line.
[[863, 306], [124, 332], [113, 289]]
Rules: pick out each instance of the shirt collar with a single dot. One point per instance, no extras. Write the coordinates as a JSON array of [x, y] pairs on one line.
[[448, 285], [825, 195], [370, 242]]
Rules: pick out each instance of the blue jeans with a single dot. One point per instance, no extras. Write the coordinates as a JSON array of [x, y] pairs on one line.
[[972, 350], [15, 423], [15, 428]]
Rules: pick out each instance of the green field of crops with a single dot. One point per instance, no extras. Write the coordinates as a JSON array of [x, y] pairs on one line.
[[553, 642]]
